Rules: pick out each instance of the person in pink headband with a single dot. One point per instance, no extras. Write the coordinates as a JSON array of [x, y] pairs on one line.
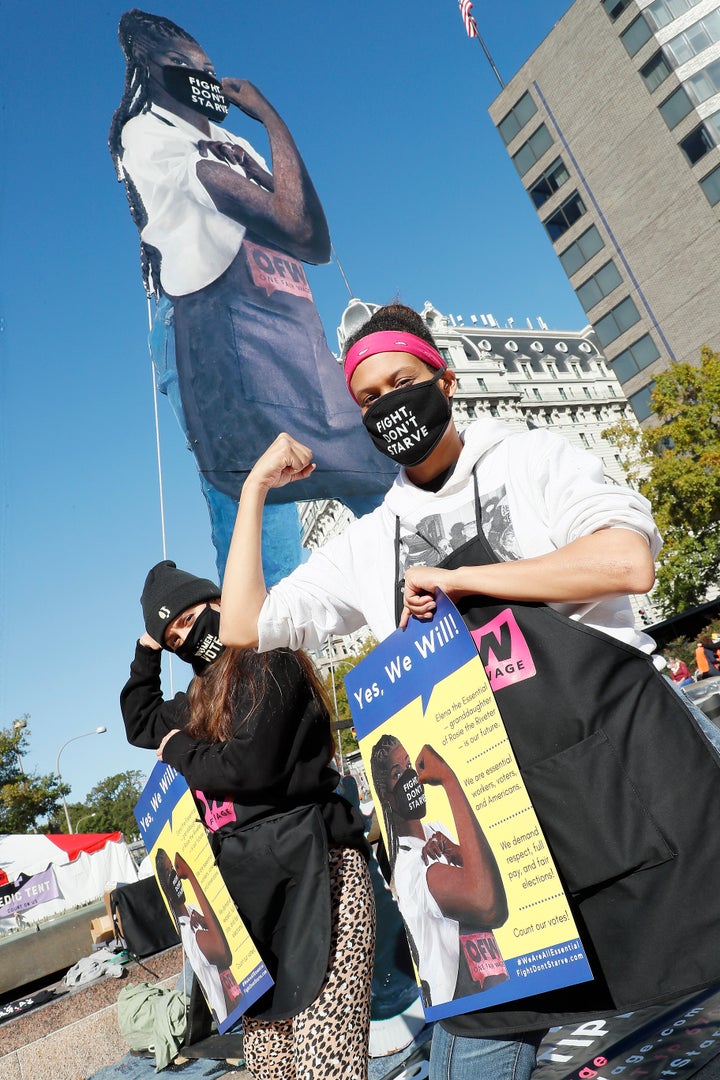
[[385, 341], [509, 524]]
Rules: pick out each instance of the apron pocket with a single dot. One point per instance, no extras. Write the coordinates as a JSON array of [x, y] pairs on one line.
[[594, 820]]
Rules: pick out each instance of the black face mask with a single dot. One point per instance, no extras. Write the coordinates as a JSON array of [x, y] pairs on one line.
[[202, 645], [407, 424], [408, 796], [198, 90], [177, 887]]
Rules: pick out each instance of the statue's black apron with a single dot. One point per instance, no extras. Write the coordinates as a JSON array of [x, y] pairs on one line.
[[627, 791]]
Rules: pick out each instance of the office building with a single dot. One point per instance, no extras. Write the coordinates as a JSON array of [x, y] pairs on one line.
[[613, 125]]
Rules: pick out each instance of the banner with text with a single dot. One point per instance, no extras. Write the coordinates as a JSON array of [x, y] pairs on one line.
[[216, 942], [484, 910], [675, 1039], [27, 892]]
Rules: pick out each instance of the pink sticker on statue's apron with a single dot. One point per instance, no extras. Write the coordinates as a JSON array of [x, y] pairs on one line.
[[275, 271], [504, 651]]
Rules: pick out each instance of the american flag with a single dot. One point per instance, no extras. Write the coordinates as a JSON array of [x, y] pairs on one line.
[[470, 24]]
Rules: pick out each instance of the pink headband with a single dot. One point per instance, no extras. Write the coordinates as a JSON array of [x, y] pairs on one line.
[[389, 341]]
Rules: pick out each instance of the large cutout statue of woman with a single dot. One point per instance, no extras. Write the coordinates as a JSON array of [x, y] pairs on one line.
[[223, 241]]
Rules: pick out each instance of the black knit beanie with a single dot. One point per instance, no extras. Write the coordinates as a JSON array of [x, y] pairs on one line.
[[168, 591]]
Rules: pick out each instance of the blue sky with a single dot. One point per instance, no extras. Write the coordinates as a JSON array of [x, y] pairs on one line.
[[388, 103]]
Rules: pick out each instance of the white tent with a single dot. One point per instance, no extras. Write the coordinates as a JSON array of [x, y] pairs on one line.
[[84, 865]]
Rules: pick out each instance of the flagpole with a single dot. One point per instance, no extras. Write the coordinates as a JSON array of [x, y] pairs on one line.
[[489, 58], [471, 29]]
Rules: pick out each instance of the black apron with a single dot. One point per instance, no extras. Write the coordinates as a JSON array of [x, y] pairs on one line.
[[252, 361], [627, 792], [277, 872]]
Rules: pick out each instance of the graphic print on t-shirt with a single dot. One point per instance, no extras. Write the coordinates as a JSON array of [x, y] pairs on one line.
[[437, 535]]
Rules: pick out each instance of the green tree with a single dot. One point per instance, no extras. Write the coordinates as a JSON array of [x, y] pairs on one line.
[[676, 465], [109, 806], [28, 801], [342, 715]]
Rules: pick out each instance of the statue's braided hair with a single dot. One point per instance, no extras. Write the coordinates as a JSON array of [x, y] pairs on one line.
[[139, 34], [380, 769]]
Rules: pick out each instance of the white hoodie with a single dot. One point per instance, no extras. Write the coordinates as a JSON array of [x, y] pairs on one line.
[[538, 493]]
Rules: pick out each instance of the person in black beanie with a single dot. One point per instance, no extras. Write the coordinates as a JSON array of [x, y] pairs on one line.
[[186, 606], [252, 738]]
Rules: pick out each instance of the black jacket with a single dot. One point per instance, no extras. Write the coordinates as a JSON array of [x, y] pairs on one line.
[[277, 762], [268, 796]]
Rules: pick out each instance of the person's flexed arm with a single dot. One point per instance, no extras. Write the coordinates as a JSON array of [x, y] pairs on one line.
[[243, 592], [470, 889], [210, 937], [609, 562], [284, 209]]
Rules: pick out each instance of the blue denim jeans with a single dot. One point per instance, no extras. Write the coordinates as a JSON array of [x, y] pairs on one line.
[[708, 728], [455, 1057]]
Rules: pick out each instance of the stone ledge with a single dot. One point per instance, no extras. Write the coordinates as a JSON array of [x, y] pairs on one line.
[[77, 1034]]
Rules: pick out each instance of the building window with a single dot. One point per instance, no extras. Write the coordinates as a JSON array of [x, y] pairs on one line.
[[517, 118], [445, 353], [663, 12], [711, 186], [548, 183], [655, 71], [676, 107], [586, 391], [526, 371], [531, 151], [696, 145], [563, 395], [552, 370], [615, 8], [537, 394], [616, 322], [636, 357], [599, 285], [697, 37], [581, 251], [637, 33], [705, 83], [565, 216], [583, 438], [549, 418], [640, 402], [482, 384]]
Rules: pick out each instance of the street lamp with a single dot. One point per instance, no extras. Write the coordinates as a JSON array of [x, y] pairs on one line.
[[19, 725], [97, 731], [85, 817]]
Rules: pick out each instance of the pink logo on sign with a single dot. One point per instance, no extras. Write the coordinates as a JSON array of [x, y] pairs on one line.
[[483, 957], [218, 814], [504, 651]]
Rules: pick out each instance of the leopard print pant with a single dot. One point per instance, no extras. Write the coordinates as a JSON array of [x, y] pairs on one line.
[[329, 1039]]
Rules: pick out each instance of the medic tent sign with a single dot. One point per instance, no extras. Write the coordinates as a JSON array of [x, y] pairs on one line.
[[27, 892]]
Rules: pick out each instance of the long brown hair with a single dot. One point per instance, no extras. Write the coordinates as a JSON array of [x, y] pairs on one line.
[[239, 676]]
